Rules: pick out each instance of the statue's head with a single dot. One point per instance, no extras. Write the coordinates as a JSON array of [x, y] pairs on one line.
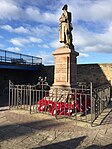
[[65, 7]]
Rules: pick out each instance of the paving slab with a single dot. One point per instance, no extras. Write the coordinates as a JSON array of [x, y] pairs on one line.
[[20, 130]]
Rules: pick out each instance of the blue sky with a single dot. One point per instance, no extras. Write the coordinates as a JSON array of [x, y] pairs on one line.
[[32, 27]]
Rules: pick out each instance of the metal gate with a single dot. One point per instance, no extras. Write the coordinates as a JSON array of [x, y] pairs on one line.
[[82, 103], [27, 96]]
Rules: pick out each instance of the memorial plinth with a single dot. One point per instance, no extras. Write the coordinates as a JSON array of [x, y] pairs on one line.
[[65, 74]]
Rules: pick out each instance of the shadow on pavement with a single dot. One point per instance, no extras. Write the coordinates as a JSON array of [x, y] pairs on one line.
[[99, 147], [73, 144], [69, 144], [108, 118], [24, 126]]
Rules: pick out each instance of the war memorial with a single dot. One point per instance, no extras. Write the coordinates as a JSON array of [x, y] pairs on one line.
[[66, 97], [69, 113], [65, 56]]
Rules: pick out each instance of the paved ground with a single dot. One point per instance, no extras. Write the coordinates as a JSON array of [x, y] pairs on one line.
[[20, 130]]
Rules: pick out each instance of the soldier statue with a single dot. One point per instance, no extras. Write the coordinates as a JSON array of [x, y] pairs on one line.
[[66, 27]]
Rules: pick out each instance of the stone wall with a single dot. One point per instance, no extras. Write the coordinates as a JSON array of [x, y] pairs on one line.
[[97, 73]]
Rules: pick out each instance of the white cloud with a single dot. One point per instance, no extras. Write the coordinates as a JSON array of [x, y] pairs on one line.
[[106, 37], [38, 31], [82, 10], [97, 10], [23, 41], [44, 46], [33, 13], [42, 25], [1, 45], [84, 55], [110, 28], [9, 10], [88, 41], [83, 38], [12, 10], [44, 31], [47, 58], [55, 44], [35, 40], [99, 48], [1, 37], [19, 41], [14, 49], [20, 29], [7, 27]]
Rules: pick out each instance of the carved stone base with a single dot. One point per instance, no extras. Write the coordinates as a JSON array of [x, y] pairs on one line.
[[65, 67]]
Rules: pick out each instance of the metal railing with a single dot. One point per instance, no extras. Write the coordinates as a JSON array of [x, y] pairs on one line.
[[101, 97], [81, 103], [17, 58]]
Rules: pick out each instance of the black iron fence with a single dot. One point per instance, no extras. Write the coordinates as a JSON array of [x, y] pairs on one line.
[[82, 103], [17, 58]]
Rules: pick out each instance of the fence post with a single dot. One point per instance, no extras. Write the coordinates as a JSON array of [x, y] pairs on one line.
[[32, 60], [56, 100], [91, 97], [110, 92], [15, 99], [5, 55], [30, 98], [101, 104], [9, 94]]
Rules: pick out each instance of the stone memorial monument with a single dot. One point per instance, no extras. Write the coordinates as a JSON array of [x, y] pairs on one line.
[[65, 57]]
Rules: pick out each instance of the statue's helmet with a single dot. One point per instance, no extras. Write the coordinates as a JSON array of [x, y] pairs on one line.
[[65, 7]]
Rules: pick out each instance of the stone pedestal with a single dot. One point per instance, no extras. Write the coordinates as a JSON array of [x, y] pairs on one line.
[[65, 67]]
